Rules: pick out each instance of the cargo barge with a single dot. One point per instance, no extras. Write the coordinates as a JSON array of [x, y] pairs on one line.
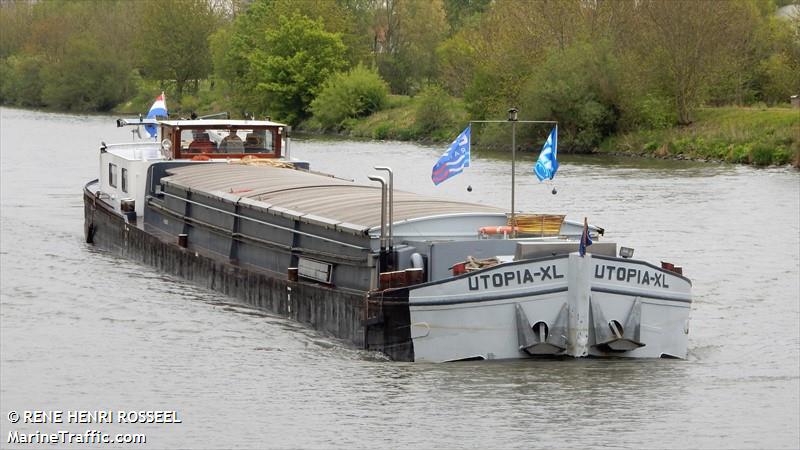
[[220, 203]]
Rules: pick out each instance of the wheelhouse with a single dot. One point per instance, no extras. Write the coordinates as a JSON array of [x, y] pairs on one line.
[[188, 139]]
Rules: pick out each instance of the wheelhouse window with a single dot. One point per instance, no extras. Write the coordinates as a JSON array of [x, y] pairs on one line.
[[112, 175], [124, 180], [231, 141]]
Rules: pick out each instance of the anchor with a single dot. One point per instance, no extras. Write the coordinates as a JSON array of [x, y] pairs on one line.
[[612, 336], [541, 339]]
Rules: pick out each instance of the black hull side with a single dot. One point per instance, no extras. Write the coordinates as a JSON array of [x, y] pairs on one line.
[[334, 311]]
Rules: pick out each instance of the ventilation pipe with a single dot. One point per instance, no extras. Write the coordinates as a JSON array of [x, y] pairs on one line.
[[382, 181], [391, 204]]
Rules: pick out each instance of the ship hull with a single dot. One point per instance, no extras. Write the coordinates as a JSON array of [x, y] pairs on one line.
[[564, 305], [336, 312]]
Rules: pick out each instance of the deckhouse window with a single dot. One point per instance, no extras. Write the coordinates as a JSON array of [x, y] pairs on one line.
[[227, 141], [112, 175], [124, 180]]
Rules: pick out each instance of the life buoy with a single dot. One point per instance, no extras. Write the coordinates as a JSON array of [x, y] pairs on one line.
[[502, 229]]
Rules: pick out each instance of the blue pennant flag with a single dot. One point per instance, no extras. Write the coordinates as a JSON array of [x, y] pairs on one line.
[[547, 164], [454, 160], [159, 109], [586, 240]]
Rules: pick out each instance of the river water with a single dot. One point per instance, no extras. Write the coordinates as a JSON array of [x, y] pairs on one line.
[[81, 329]]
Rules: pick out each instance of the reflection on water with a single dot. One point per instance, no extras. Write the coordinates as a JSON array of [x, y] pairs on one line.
[[82, 329]]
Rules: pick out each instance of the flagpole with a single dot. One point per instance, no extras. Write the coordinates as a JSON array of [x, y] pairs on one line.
[[512, 117]]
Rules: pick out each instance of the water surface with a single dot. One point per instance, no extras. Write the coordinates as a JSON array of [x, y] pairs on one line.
[[81, 329]]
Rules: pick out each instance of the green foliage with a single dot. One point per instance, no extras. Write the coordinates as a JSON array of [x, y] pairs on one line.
[[403, 118], [21, 81], [757, 136], [66, 54], [409, 33], [456, 63], [173, 40], [647, 112], [781, 156], [569, 87], [460, 12], [357, 93], [739, 153], [683, 47], [287, 75], [761, 154], [382, 131], [85, 81], [780, 78], [433, 112], [234, 44], [616, 74]]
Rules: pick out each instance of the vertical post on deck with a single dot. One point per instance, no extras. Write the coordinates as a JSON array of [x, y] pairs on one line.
[[512, 117]]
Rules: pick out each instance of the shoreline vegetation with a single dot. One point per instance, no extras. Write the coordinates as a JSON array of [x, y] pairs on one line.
[[707, 81]]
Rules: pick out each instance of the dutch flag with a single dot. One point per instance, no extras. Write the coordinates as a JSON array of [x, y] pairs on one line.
[[159, 109]]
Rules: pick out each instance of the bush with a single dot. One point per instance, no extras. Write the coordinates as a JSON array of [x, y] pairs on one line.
[[433, 112], [84, 80], [357, 93], [381, 132], [650, 112], [572, 87], [761, 155], [781, 156], [739, 153], [21, 81]]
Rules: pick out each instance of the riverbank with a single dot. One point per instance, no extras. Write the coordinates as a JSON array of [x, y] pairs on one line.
[[756, 136], [740, 135]]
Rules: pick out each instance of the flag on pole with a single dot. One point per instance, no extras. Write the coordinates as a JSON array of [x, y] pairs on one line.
[[547, 164], [159, 108], [454, 160], [586, 240]]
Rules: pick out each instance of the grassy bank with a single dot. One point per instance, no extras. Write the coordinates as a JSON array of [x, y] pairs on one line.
[[430, 118], [206, 99], [757, 136]]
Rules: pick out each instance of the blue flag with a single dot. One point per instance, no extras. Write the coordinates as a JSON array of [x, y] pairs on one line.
[[454, 160], [547, 164], [159, 109], [586, 240]]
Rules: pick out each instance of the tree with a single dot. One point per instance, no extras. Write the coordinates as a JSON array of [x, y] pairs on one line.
[[686, 45], [777, 75], [357, 93], [407, 33], [286, 75], [460, 12], [85, 80], [173, 40], [21, 81], [457, 62], [574, 87]]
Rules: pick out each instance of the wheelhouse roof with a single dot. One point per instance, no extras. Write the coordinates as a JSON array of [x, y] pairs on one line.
[[220, 123], [313, 197]]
